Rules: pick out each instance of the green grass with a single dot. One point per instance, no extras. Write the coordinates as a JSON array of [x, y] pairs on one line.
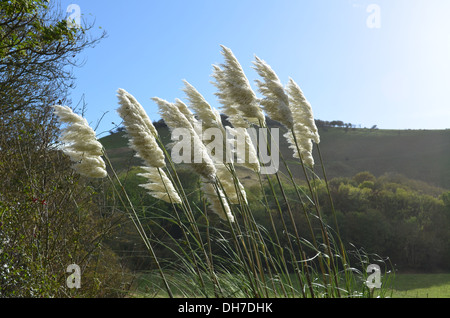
[[421, 286], [403, 286]]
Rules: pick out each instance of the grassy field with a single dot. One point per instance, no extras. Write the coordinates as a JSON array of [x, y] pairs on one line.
[[421, 286], [403, 286]]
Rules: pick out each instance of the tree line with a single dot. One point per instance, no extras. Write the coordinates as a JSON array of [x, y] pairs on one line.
[[339, 124]]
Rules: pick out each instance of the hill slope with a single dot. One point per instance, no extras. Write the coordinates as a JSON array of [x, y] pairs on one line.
[[417, 154]]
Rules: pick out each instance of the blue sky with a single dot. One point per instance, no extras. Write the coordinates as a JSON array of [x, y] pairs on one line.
[[396, 76]]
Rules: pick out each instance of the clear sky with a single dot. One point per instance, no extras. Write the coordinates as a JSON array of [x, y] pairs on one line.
[[375, 62]]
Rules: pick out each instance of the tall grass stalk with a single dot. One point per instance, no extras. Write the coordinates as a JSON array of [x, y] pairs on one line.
[[323, 226], [128, 205], [194, 229]]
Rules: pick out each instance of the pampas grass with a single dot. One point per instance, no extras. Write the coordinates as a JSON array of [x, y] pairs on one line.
[[80, 144], [234, 90], [276, 101], [159, 185], [302, 112], [303, 146], [232, 254], [140, 129], [201, 162], [209, 117], [219, 204]]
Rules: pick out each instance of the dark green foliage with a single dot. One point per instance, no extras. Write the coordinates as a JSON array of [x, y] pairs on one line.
[[396, 218], [49, 216], [50, 220]]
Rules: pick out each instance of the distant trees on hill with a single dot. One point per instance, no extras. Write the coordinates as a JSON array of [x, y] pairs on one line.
[[319, 123], [334, 123], [339, 124]]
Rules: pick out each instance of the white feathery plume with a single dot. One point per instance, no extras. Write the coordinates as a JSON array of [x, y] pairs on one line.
[[209, 117], [228, 107], [187, 113], [160, 185], [239, 103], [218, 201], [93, 167], [304, 127], [81, 144], [248, 152], [128, 101], [196, 124], [81, 131], [230, 187], [275, 102], [140, 129], [143, 140], [301, 110], [305, 144], [235, 90], [174, 119]]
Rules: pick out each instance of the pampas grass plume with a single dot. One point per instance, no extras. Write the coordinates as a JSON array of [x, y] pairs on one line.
[[140, 129], [301, 110], [174, 119], [81, 144], [235, 92], [218, 201], [275, 102], [160, 185]]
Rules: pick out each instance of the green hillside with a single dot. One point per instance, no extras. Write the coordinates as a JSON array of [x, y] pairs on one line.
[[416, 154]]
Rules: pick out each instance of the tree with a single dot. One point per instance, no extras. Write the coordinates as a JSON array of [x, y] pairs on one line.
[[48, 216], [37, 50], [360, 177], [337, 123]]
